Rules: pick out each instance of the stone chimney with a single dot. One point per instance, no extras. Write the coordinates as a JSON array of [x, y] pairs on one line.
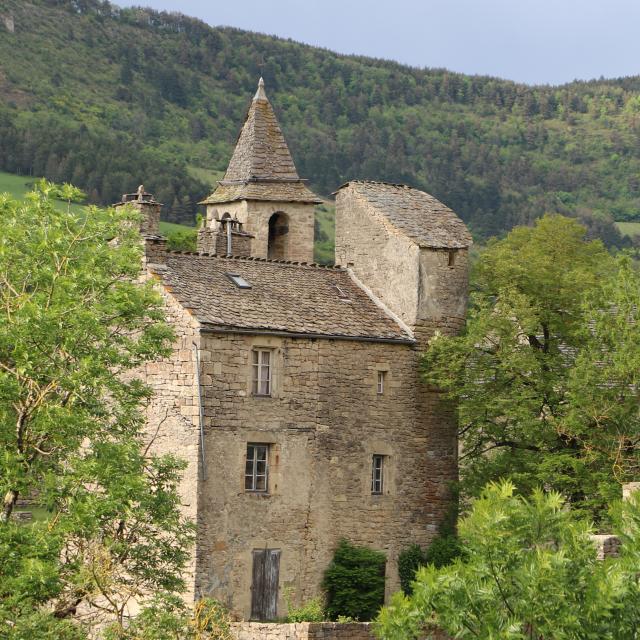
[[224, 237], [155, 245]]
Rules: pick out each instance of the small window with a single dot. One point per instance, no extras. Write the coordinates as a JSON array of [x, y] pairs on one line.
[[452, 258], [238, 280], [261, 372], [256, 474], [377, 475], [381, 380]]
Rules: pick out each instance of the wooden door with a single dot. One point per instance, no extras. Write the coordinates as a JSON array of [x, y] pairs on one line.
[[264, 587]]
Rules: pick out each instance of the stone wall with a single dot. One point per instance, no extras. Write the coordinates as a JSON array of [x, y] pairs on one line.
[[323, 423], [302, 631], [254, 217], [426, 288], [173, 413], [311, 631], [214, 242]]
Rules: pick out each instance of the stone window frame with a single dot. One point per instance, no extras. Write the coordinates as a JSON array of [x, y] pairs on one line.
[[377, 474], [379, 368], [378, 447], [380, 384], [257, 367], [253, 488]]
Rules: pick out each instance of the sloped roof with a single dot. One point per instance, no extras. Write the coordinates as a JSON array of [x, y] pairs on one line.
[[261, 166], [284, 297], [254, 190], [415, 213]]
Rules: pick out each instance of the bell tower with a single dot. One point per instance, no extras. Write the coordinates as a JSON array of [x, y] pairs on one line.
[[263, 192]]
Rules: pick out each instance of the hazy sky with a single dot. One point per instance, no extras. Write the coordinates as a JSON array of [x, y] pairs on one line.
[[534, 41]]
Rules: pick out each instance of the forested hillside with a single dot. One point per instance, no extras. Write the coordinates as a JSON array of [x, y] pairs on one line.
[[108, 98]]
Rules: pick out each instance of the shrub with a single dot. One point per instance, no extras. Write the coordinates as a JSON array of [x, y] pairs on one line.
[[354, 582], [444, 549], [310, 611], [409, 561]]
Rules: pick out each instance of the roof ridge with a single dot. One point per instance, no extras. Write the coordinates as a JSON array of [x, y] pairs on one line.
[[389, 184], [237, 258]]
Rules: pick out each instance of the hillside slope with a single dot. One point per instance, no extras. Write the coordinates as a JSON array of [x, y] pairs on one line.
[[108, 98]]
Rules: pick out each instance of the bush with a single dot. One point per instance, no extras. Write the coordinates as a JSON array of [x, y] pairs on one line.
[[354, 582], [444, 549], [409, 561], [311, 611]]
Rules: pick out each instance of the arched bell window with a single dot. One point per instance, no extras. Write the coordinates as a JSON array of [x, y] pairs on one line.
[[278, 248]]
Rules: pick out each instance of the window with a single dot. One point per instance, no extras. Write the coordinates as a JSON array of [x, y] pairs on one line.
[[261, 372], [377, 474], [452, 258], [238, 280], [381, 378], [256, 474]]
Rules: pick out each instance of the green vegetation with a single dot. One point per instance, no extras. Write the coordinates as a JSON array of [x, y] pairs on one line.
[[166, 95], [354, 582], [442, 551], [529, 571], [179, 235], [74, 321], [325, 233], [629, 228], [310, 611], [552, 317]]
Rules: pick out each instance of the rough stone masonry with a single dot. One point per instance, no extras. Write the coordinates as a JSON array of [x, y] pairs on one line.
[[294, 390]]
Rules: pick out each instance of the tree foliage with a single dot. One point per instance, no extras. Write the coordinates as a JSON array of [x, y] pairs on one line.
[[546, 375], [354, 582], [529, 571], [166, 95], [74, 325]]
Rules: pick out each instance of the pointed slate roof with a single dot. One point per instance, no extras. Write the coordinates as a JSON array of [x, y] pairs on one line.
[[261, 167]]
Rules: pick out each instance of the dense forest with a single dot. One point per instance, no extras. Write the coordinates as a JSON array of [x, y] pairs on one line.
[[108, 98]]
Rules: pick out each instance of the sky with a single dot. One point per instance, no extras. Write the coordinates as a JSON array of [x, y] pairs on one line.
[[532, 41]]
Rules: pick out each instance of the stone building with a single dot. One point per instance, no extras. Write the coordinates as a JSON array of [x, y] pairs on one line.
[[294, 391]]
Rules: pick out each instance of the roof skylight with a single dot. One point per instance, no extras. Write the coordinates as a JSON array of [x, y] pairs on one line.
[[238, 280]]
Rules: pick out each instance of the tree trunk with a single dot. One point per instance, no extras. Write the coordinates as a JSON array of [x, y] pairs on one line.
[[10, 499]]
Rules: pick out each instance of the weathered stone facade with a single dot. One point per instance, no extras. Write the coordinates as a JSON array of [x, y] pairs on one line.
[[255, 216], [343, 347]]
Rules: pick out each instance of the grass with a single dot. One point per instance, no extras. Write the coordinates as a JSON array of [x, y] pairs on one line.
[[208, 176], [629, 228]]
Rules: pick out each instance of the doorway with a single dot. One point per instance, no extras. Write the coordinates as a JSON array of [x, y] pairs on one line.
[[264, 586]]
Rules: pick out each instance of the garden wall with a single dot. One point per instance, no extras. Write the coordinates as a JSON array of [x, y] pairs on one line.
[[302, 631], [307, 631]]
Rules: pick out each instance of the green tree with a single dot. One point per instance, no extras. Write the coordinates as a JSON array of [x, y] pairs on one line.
[[546, 374], [74, 325], [529, 571]]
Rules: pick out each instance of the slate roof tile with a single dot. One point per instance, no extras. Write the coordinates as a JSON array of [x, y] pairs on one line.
[[287, 297], [415, 213], [261, 166]]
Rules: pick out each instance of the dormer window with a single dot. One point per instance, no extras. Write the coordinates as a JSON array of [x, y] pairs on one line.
[[238, 280]]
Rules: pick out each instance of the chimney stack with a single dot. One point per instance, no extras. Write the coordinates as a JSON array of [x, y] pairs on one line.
[[155, 245]]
